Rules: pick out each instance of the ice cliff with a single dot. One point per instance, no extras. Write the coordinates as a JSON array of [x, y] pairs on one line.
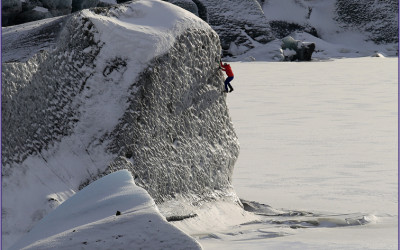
[[134, 86]]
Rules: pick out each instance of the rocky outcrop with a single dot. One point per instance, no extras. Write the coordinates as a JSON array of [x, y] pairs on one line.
[[106, 93]]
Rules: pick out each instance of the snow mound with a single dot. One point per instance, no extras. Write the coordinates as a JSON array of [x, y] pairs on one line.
[[88, 219]]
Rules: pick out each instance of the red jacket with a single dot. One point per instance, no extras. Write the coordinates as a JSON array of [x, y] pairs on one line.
[[227, 70]]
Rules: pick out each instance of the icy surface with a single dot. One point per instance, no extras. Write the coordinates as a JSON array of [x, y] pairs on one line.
[[88, 219], [132, 87]]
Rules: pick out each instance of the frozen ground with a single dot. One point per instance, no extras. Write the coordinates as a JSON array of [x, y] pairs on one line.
[[318, 137]]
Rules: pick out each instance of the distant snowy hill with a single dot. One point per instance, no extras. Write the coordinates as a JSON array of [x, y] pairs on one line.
[[338, 28], [134, 87]]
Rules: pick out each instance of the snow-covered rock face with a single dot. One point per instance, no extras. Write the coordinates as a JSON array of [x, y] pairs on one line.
[[133, 87]]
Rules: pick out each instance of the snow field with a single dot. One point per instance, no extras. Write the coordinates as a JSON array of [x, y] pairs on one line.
[[318, 137]]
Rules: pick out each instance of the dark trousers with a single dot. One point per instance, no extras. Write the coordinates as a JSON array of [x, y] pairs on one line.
[[227, 83]]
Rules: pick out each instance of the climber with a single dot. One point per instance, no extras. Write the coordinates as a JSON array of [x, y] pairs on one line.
[[227, 68]]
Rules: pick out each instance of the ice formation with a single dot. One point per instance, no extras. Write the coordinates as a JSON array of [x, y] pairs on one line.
[[135, 86]]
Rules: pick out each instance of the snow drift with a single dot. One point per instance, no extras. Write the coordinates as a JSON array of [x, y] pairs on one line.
[[109, 213], [135, 86]]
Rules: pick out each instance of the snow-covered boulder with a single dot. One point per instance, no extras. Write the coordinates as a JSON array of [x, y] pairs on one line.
[[110, 213], [297, 50], [135, 86]]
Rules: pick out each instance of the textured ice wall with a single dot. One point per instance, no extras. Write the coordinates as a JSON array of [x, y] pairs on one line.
[[86, 105], [37, 95], [177, 131]]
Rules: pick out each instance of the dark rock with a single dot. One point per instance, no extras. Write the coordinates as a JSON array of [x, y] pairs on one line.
[[9, 11], [180, 217], [83, 4], [59, 7], [35, 14]]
